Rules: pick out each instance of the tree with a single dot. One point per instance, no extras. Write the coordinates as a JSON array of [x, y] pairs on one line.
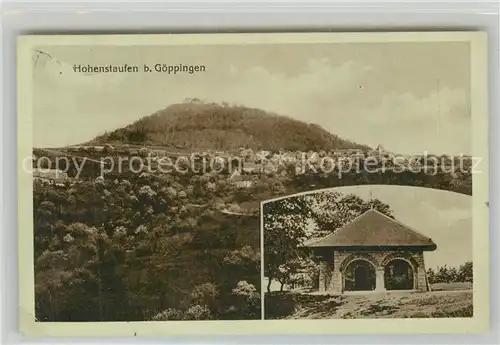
[[287, 271], [284, 233], [431, 276], [247, 299], [205, 295], [453, 274], [288, 223], [465, 272], [333, 210], [442, 275]]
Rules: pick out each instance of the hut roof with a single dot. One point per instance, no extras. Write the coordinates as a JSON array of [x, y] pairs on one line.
[[374, 229]]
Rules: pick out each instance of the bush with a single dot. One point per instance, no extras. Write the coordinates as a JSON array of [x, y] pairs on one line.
[[247, 301], [195, 312], [466, 311], [169, 314], [205, 294], [397, 283]]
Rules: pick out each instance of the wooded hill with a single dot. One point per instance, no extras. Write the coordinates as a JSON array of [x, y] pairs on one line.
[[200, 125]]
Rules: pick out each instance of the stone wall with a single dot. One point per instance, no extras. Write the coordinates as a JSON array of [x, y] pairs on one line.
[[332, 269]]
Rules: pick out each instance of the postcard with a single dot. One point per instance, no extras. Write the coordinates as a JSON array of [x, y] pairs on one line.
[[278, 183]]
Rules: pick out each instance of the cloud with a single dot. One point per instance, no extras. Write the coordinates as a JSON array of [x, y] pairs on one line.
[[339, 99], [299, 95], [438, 122]]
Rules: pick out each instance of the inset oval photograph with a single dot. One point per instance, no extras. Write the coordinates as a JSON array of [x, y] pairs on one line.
[[373, 251]]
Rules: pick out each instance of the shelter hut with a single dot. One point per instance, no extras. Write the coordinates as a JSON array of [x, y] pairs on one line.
[[374, 252]]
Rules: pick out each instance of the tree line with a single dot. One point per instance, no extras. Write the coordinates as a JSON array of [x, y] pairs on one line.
[[446, 274]]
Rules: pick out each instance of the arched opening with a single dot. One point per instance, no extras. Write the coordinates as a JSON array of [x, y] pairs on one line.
[[399, 275], [359, 275]]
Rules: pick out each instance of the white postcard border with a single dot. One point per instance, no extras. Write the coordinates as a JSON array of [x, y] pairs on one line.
[[479, 323]]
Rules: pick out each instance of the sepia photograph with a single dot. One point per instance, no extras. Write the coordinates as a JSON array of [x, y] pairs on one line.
[[369, 252], [172, 182]]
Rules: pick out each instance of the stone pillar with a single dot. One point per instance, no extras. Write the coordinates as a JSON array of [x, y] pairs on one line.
[[323, 268], [379, 279], [420, 277], [336, 282]]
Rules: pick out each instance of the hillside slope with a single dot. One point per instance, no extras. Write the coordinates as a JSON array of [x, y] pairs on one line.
[[196, 125], [394, 304]]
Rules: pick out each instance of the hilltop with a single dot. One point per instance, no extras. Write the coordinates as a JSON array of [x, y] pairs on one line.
[[200, 125]]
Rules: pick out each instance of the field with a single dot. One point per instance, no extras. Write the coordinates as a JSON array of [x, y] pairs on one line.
[[453, 302]]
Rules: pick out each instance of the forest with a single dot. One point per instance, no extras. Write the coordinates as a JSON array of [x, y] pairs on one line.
[[198, 124], [134, 249]]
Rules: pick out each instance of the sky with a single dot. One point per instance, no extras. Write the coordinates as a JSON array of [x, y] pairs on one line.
[[408, 97]]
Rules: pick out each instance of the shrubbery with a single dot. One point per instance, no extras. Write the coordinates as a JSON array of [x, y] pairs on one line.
[[195, 312], [279, 305]]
